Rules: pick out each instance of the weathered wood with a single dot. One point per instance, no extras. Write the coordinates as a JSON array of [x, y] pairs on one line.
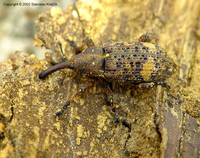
[[154, 123]]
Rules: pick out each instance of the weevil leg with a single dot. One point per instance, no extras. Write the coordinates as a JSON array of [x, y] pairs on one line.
[[85, 86], [164, 84], [109, 94], [62, 81], [146, 85], [110, 40], [61, 50], [87, 42], [151, 84], [77, 49], [149, 37], [79, 18], [110, 98], [76, 9]]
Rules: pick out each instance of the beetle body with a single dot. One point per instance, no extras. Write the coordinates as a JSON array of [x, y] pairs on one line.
[[138, 62]]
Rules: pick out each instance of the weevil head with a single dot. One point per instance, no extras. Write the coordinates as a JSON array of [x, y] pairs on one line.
[[91, 61]]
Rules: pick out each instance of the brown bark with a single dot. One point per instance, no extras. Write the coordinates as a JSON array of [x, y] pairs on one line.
[[154, 123]]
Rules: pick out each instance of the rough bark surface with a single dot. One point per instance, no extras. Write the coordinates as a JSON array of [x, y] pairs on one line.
[[153, 123]]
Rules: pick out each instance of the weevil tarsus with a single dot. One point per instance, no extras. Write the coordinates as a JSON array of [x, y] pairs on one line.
[[116, 120], [149, 37], [61, 83], [58, 114], [86, 86], [163, 83], [109, 94]]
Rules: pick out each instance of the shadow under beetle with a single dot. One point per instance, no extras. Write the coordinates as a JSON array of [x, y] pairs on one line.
[[138, 63]]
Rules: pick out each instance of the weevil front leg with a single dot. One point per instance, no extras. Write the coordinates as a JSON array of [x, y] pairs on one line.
[[87, 42], [85, 86]]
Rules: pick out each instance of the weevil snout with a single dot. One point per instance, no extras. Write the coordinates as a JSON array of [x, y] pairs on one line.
[[68, 64], [90, 62]]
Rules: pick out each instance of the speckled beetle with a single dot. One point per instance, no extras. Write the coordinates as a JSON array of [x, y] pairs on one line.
[[137, 62]]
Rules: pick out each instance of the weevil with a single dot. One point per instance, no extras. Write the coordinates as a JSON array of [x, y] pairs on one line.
[[138, 62]]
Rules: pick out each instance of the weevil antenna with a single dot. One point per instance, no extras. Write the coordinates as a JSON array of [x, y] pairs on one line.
[[61, 50]]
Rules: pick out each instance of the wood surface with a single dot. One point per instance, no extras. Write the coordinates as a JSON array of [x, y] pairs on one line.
[[154, 122]]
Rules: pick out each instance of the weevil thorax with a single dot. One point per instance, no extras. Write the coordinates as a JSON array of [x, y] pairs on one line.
[[91, 62]]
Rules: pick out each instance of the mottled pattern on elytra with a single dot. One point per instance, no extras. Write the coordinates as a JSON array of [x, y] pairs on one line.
[[136, 62]]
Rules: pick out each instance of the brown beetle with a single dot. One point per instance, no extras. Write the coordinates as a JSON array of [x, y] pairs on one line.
[[137, 62]]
